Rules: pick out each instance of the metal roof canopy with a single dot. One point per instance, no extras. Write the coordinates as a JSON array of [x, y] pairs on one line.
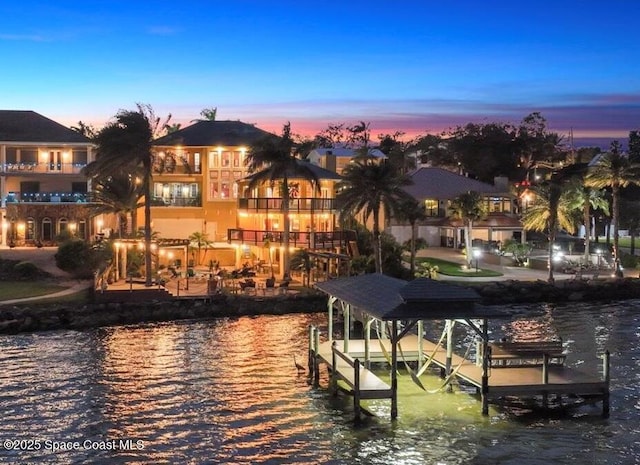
[[388, 299]]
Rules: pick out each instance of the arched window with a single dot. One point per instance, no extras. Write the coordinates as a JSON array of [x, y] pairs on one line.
[[30, 231], [47, 229], [63, 225]]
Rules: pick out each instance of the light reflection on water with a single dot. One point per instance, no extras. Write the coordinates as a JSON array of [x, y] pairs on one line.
[[227, 391]]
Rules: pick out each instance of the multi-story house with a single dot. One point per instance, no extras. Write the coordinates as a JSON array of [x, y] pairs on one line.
[[437, 187], [313, 217], [43, 192]]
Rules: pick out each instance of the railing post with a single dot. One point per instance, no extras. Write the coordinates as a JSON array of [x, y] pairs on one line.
[[607, 378], [310, 358], [356, 389], [334, 369], [316, 365], [545, 378]]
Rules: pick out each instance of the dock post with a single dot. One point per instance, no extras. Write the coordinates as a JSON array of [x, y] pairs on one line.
[[545, 378], [367, 342], [394, 370], [356, 389], [334, 376], [486, 355], [420, 339], [607, 378], [316, 365], [310, 352]]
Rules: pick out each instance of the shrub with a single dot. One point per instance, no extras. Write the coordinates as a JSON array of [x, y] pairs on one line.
[[79, 258], [26, 270]]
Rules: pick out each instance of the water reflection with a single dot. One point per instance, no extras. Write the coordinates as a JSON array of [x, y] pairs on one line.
[[227, 391]]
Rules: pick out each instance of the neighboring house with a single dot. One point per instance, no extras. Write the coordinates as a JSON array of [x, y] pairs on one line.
[[435, 188], [335, 159], [312, 212], [195, 178], [43, 192]]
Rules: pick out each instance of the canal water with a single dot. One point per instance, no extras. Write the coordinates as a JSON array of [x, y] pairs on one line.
[[227, 391]]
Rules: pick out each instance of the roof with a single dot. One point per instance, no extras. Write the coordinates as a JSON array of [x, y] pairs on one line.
[[344, 152], [388, 298], [212, 133], [320, 173], [29, 126], [438, 183]]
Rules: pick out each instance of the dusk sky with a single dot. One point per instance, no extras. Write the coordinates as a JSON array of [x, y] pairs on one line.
[[413, 66]]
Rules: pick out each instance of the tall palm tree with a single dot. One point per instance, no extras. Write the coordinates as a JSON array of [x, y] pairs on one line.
[[272, 160], [412, 211], [371, 187], [585, 199], [124, 145], [468, 207], [615, 171], [549, 212], [119, 194]]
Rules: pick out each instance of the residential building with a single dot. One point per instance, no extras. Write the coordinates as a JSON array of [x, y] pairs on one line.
[[43, 191], [337, 158], [195, 178], [313, 217], [435, 188]]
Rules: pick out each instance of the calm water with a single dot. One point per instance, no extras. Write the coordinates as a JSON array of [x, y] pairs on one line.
[[227, 391]]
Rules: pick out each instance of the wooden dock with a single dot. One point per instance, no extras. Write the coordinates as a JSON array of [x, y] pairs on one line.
[[524, 380]]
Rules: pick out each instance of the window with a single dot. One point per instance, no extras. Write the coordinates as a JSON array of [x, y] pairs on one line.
[[79, 157], [213, 184], [30, 231], [82, 229], [29, 156], [12, 155], [196, 162], [431, 207], [226, 159], [47, 232], [63, 225], [213, 160]]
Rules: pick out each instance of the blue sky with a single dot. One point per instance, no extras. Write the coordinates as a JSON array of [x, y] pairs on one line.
[[415, 66]]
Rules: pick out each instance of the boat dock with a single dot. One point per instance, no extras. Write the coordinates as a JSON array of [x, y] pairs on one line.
[[397, 310]]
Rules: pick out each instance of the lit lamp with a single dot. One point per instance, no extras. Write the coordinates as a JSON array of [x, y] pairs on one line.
[[477, 253]]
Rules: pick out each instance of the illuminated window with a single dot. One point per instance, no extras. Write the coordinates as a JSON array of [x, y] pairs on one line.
[[431, 207]]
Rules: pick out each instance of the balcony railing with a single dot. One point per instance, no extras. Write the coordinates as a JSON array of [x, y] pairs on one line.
[[42, 168], [306, 204], [47, 197], [176, 202], [308, 240]]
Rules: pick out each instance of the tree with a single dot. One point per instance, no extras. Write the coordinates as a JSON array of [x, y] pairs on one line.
[[615, 171], [208, 114], [272, 159], [86, 130], [585, 199], [549, 211], [412, 211], [199, 240], [370, 187], [119, 194], [630, 219], [468, 207], [124, 145], [634, 146]]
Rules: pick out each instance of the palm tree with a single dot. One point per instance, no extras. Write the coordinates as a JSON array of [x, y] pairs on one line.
[[468, 207], [200, 240], [615, 171], [273, 159], [124, 145], [412, 211], [585, 199], [370, 187], [119, 194], [549, 212]]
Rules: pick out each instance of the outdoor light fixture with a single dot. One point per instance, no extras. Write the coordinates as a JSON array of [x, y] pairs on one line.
[[477, 253]]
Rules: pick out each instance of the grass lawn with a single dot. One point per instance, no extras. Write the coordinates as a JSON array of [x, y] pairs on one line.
[[455, 269], [19, 289]]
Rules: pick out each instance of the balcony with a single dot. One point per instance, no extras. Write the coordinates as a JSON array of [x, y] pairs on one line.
[[176, 202], [43, 168], [47, 197], [299, 205], [307, 240]]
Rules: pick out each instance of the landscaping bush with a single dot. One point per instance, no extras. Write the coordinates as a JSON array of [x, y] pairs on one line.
[[26, 270], [81, 259]]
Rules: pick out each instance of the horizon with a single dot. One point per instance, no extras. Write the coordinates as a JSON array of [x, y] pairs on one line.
[[417, 69]]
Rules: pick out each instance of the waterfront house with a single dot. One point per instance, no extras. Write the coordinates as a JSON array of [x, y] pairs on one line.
[[43, 192]]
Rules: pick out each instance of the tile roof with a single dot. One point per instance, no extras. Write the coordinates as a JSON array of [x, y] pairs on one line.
[[29, 126], [388, 298], [212, 133], [438, 183]]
